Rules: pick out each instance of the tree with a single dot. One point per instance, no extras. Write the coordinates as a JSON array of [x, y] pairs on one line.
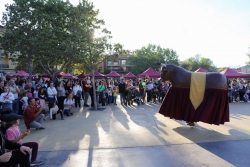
[[20, 23], [197, 61], [39, 31], [147, 57], [221, 69], [92, 39]]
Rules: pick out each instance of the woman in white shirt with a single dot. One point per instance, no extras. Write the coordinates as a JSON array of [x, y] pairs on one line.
[[52, 93], [7, 98], [36, 91], [77, 90]]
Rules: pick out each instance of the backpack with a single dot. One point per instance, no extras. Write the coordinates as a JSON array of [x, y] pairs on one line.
[[78, 93]]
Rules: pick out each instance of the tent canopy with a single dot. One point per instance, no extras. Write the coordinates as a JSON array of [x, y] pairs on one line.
[[97, 74], [200, 70], [64, 75], [21, 74], [113, 74], [81, 75], [129, 75], [234, 74], [151, 73], [44, 75]]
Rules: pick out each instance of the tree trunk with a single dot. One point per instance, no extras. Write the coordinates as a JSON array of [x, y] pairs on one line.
[[30, 67], [94, 89]]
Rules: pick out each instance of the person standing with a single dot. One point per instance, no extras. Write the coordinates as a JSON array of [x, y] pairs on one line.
[[77, 90], [61, 96], [149, 87], [122, 88], [52, 93], [85, 87], [7, 98], [15, 90]]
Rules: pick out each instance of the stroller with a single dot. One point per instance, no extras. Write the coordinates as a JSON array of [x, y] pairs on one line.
[[136, 96]]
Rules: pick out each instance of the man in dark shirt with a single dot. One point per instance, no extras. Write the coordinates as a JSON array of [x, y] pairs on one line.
[[85, 87], [122, 88]]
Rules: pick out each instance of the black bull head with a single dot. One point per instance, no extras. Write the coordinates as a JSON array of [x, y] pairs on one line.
[[181, 77], [164, 71]]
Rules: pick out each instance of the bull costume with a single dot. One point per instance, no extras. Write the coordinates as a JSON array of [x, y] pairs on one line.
[[179, 103]]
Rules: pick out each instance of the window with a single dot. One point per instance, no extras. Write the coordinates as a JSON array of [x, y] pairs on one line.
[[124, 68], [116, 63], [1, 53], [109, 62], [14, 63], [124, 62]]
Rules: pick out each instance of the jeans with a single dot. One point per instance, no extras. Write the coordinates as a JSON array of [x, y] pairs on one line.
[[235, 94], [37, 123], [34, 147], [149, 95], [114, 99], [122, 98], [60, 102], [77, 101], [86, 97], [110, 99], [7, 105], [15, 106]]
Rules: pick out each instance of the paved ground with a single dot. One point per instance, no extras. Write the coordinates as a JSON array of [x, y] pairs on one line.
[[138, 136]]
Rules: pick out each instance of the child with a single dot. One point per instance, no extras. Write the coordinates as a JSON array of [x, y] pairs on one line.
[[115, 93], [24, 100], [109, 92], [29, 94], [104, 96], [155, 93], [54, 110], [68, 103], [14, 134], [246, 98]]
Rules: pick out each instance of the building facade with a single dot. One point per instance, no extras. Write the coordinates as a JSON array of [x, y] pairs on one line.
[[6, 65], [121, 64]]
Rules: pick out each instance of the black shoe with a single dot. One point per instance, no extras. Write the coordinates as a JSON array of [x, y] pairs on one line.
[[41, 128], [36, 163], [86, 105]]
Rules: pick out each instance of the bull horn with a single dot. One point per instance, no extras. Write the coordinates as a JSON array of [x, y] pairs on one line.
[[164, 65]]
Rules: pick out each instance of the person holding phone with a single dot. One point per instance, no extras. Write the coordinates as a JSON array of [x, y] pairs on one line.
[[7, 98]]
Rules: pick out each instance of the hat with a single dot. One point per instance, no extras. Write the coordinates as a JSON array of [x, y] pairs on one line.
[[11, 117]]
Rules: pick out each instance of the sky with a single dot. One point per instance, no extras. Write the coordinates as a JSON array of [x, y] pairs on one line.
[[215, 29]]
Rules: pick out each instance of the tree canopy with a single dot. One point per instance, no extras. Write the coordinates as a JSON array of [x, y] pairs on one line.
[[196, 62], [147, 57], [53, 34]]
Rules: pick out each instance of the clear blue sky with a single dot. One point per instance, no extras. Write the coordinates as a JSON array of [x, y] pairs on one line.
[[216, 29]]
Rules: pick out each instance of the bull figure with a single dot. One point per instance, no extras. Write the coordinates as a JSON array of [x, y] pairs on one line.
[[214, 109]]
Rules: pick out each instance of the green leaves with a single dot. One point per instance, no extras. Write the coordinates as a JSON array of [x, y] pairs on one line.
[[196, 62], [53, 34], [147, 57]]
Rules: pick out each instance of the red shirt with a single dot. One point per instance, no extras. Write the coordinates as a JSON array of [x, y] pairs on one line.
[[85, 89], [30, 114]]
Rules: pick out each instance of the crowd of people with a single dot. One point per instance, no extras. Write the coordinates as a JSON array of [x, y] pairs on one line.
[[239, 90], [39, 99]]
